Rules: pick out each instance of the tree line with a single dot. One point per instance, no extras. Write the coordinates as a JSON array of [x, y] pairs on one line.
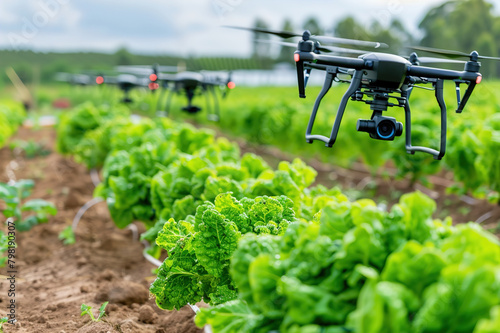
[[463, 25]]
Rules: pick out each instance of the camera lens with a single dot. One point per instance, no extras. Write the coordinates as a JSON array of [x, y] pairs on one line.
[[365, 125], [385, 129]]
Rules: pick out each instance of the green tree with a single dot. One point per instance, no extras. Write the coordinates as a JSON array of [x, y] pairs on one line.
[[465, 26], [350, 28], [261, 50], [123, 57], [460, 25], [312, 24]]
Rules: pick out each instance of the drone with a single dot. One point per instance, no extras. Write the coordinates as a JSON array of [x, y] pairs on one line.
[[125, 82], [192, 84], [381, 80], [151, 72]]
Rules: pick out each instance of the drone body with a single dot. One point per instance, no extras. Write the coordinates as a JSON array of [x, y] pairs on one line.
[[387, 70]]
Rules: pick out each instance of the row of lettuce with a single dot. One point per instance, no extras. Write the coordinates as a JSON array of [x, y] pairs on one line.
[[269, 252]]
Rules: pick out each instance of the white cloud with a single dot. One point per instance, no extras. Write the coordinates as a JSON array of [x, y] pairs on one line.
[[188, 26]]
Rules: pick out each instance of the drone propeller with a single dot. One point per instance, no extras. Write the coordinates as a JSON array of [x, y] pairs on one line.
[[145, 69], [318, 47], [415, 59], [321, 39], [450, 53]]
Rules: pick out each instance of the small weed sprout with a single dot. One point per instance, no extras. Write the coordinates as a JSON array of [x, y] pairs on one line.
[[67, 236], [86, 309]]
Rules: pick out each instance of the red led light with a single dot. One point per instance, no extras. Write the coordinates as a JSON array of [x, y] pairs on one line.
[[479, 79], [296, 57], [153, 86], [153, 77], [231, 85], [99, 80]]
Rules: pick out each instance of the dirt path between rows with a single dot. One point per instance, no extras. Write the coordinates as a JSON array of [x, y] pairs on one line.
[[105, 264]]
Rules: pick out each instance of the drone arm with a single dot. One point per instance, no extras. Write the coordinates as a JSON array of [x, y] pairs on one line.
[[353, 63], [444, 74]]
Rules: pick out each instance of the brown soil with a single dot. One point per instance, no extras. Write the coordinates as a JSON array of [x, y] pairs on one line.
[[105, 264]]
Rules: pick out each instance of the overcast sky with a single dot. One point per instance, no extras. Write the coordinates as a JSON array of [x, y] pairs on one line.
[[184, 27]]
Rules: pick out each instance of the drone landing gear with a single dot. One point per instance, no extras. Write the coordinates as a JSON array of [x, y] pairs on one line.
[[438, 87], [379, 127], [127, 100], [212, 116], [330, 75]]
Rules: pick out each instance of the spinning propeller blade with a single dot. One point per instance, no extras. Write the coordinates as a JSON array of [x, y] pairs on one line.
[[450, 53], [322, 39], [320, 47]]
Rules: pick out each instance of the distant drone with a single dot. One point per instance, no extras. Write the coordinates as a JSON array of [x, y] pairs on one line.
[[377, 78], [125, 82], [191, 84]]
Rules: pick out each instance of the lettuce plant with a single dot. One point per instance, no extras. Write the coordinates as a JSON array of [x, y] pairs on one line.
[[359, 269]]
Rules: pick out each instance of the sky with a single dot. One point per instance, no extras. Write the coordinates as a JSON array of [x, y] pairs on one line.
[[182, 27]]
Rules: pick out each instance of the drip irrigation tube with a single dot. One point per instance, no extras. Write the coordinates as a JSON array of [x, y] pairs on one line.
[[94, 175], [82, 211]]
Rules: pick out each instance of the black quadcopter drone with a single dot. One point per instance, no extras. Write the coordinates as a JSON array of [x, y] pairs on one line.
[[192, 84], [381, 80]]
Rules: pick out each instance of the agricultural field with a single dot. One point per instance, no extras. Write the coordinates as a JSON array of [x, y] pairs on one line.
[[183, 190], [223, 212]]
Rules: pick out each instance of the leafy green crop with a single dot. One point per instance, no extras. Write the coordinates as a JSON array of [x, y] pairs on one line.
[[76, 128], [30, 148], [360, 269], [13, 197], [4, 246], [201, 246]]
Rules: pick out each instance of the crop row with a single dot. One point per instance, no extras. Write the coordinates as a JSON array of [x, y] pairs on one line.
[[268, 252]]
